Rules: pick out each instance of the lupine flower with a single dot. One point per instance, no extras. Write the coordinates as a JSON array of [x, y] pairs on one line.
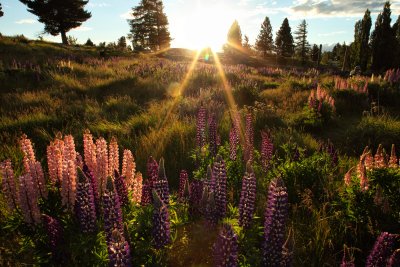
[[161, 224], [249, 139], [146, 193], [210, 210], [27, 149], [121, 188], [369, 159], [380, 158], [247, 197], [152, 175], [79, 160], [196, 193], [394, 260], [201, 128], [210, 179], [113, 154], [68, 182], [8, 185], [89, 151], [93, 183], [102, 164], [347, 176], [55, 160], [226, 247], [212, 134], [393, 162], [267, 150], [183, 178], [347, 262], [137, 188], [276, 215], [333, 153], [54, 231], [119, 252], [112, 210], [219, 174], [233, 142], [85, 204], [28, 200], [129, 169], [362, 174], [161, 185], [383, 249]]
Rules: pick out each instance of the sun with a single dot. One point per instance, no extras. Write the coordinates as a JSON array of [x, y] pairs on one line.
[[206, 25]]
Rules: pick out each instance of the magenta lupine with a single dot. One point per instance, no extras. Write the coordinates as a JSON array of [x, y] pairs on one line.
[[196, 193], [55, 160], [226, 247], [161, 223], [276, 215], [113, 155], [183, 178], [129, 169], [249, 139], [201, 127], [383, 249], [247, 197], [112, 210], [85, 205], [89, 151], [219, 174], [267, 150], [101, 172], [161, 185], [54, 231], [119, 252], [212, 134], [9, 188], [146, 193], [394, 260], [28, 200], [137, 188], [121, 188]]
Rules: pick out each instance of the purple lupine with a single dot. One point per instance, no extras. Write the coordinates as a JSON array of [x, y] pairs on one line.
[[210, 179], [201, 127], [196, 193], [161, 224], [54, 231], [8, 185], [394, 260], [93, 182], [112, 210], [219, 173], [85, 204], [152, 175], [210, 207], [233, 142], [121, 188], [249, 139], [267, 150], [183, 178], [146, 194], [212, 134], [247, 197], [119, 252], [383, 249], [276, 215], [226, 247], [161, 185]]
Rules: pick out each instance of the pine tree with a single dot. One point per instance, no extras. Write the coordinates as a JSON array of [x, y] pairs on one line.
[[383, 41], [1, 11], [246, 44], [302, 45], [89, 43], [265, 43], [396, 29], [149, 26], [364, 38], [284, 40], [121, 43], [235, 35], [314, 53], [59, 16]]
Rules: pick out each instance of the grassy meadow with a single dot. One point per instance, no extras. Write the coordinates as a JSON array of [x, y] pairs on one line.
[[149, 102]]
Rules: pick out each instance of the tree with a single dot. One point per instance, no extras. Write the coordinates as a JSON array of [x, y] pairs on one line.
[[235, 35], [302, 45], [121, 43], [246, 44], [383, 41], [284, 40], [315, 53], [264, 42], [1, 11], [89, 43], [149, 26], [59, 16], [360, 47]]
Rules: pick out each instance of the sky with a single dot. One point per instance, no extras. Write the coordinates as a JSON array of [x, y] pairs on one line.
[[200, 23]]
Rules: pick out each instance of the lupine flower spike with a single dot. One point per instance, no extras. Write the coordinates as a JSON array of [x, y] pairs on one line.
[[220, 177], [85, 203], [201, 128], [121, 188], [267, 150], [249, 139], [161, 185], [8, 185], [161, 224], [393, 162], [212, 134], [54, 231], [346, 260], [119, 251], [247, 197], [226, 247], [112, 210], [28, 200], [183, 178], [382, 251], [137, 188], [394, 260]]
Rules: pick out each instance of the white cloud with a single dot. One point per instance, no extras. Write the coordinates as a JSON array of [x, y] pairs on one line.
[[126, 15], [331, 33], [82, 29], [98, 5], [26, 21]]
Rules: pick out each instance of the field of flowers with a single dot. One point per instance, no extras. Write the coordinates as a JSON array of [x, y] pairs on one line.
[[149, 161]]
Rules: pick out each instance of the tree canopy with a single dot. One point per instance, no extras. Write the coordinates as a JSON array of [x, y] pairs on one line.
[[149, 26], [264, 42], [302, 45], [59, 16], [284, 40], [1, 11]]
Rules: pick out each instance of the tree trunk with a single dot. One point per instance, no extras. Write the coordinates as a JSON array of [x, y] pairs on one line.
[[64, 37]]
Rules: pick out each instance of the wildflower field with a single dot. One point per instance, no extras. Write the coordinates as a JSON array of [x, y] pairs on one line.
[[181, 159]]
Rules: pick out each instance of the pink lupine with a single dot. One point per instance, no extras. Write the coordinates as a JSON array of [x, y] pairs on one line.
[[129, 169], [8, 185], [137, 188], [89, 151], [362, 174], [27, 149], [380, 158], [102, 164], [113, 154], [347, 177], [37, 175], [28, 200], [55, 160], [369, 160], [69, 177], [393, 161]]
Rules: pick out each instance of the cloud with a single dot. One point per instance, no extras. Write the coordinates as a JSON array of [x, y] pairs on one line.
[[98, 5], [26, 21], [82, 29], [335, 8], [331, 33], [126, 15]]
